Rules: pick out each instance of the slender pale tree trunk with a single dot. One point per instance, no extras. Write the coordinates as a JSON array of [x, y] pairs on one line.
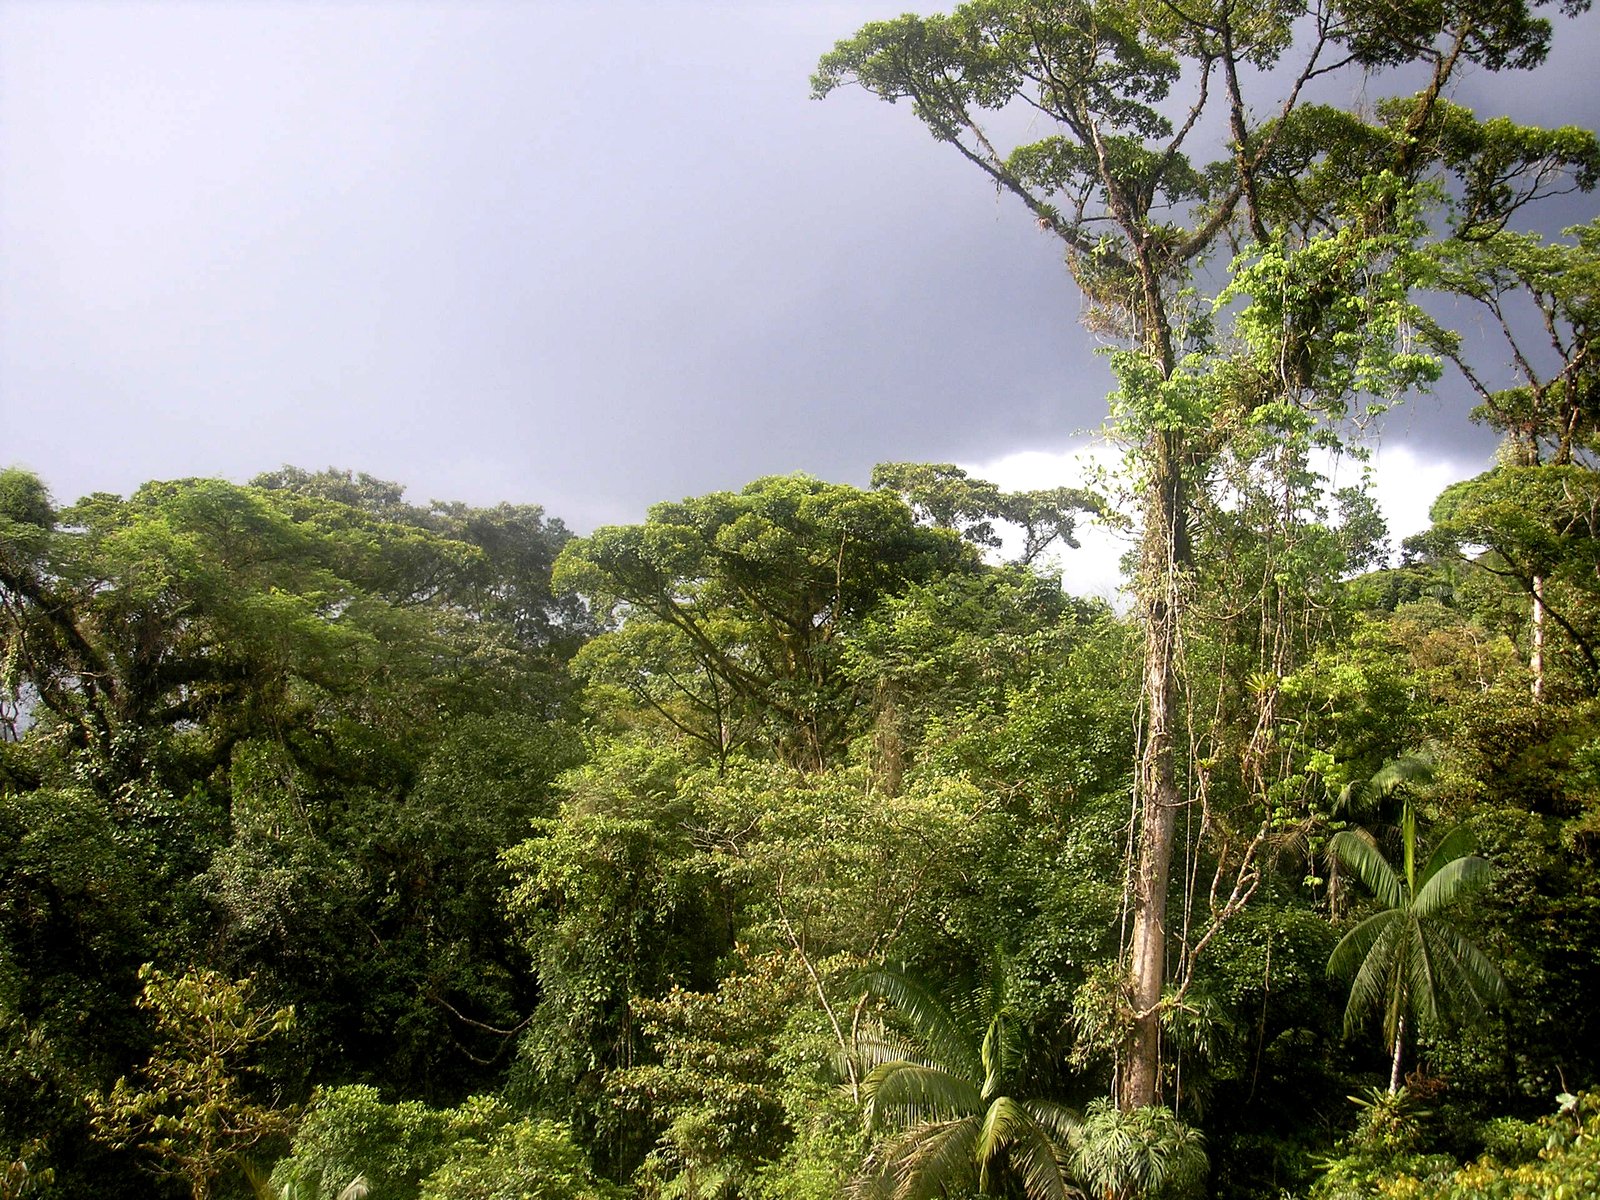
[[1399, 1046], [1163, 554], [1536, 656]]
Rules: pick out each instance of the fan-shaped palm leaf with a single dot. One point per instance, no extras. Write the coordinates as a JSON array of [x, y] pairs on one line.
[[1136, 1153]]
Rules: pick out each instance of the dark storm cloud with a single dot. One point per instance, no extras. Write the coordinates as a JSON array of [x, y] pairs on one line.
[[587, 255]]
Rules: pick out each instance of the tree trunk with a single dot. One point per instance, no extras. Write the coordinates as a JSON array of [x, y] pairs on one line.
[[1399, 1045], [1536, 657], [1163, 559]]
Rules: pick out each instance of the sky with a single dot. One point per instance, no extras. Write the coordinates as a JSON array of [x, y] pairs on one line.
[[584, 255]]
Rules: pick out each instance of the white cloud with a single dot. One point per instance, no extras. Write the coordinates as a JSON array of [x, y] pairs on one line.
[[1404, 482], [1092, 569]]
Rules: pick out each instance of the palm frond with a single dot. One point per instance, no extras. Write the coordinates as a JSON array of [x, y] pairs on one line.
[[1357, 852], [1003, 1122], [1059, 1121], [1408, 962], [1012, 1135], [999, 1130], [1352, 798], [941, 1159], [958, 1130], [1471, 974], [1371, 987], [993, 996], [1002, 1047], [870, 1187], [1409, 770], [1421, 968], [886, 1156], [1458, 843], [1449, 883], [875, 1047], [913, 1093], [1356, 946], [942, 1036]]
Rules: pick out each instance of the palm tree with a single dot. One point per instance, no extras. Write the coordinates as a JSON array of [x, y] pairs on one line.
[[1406, 960], [1396, 777], [949, 1092], [1373, 803]]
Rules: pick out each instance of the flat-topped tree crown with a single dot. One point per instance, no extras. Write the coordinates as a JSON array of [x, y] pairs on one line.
[[1116, 178]]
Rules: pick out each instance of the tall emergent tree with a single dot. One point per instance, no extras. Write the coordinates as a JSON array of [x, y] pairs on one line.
[[1324, 203]]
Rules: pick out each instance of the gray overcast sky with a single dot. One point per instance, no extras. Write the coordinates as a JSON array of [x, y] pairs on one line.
[[589, 256]]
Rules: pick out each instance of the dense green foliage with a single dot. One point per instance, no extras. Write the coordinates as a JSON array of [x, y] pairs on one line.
[[656, 959], [788, 845], [352, 1143]]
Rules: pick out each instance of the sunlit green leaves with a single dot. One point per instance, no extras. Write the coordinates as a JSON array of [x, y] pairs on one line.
[[190, 1109]]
